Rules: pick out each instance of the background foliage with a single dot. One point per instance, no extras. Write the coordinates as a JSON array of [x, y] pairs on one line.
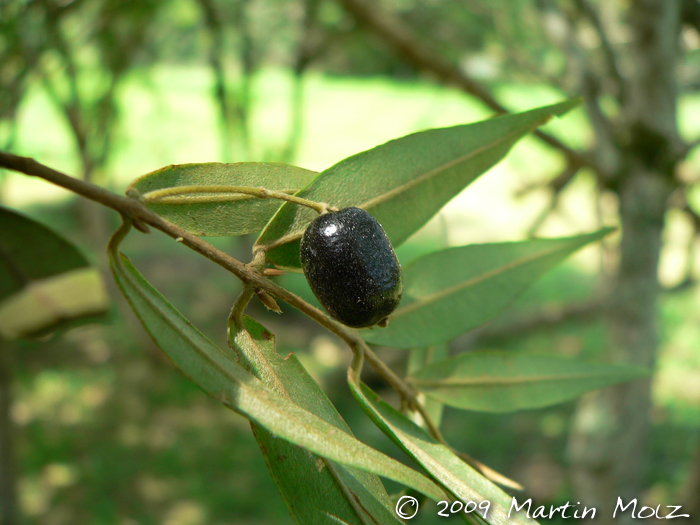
[[111, 90]]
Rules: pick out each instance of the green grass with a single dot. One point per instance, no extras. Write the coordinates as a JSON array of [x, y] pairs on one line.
[[168, 116], [111, 433]]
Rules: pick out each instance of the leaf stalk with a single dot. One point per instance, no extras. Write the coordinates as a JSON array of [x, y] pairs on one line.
[[250, 276], [182, 194]]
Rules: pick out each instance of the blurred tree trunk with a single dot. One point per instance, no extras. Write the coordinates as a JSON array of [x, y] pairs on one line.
[[691, 488], [607, 445], [8, 499], [94, 219]]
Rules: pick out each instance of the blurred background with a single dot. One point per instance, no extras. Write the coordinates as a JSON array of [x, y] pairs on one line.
[[97, 427]]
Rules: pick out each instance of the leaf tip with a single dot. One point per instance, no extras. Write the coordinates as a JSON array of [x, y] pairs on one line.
[[562, 108], [604, 232]]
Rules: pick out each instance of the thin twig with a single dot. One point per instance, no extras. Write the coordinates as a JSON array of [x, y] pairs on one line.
[[562, 180], [307, 49], [589, 12], [591, 87], [690, 146], [414, 52], [239, 306], [557, 184], [246, 273], [692, 214], [690, 14], [605, 155], [216, 60], [542, 217]]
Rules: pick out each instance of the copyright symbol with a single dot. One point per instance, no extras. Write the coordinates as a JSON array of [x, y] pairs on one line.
[[401, 504]]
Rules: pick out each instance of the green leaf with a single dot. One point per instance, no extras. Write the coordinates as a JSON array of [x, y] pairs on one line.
[[404, 182], [419, 358], [494, 381], [448, 470], [216, 373], [316, 490], [219, 213], [45, 282], [449, 292]]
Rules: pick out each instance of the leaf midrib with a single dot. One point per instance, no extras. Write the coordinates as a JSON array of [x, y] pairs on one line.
[[376, 201], [486, 381], [176, 327], [436, 296], [372, 203], [239, 383], [438, 471], [193, 191], [278, 385]]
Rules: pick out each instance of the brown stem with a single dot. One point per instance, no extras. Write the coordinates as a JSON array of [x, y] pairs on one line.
[[236, 315], [216, 60], [587, 9], [249, 275], [557, 184]]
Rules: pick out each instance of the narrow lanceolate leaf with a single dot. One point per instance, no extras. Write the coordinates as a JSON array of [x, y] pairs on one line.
[[449, 292], [199, 198], [462, 481], [503, 381], [316, 490], [418, 359], [45, 282], [403, 183], [217, 374]]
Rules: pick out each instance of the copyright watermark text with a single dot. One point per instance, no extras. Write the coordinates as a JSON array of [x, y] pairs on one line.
[[407, 508]]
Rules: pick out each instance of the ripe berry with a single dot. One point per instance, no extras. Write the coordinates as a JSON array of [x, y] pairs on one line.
[[351, 267]]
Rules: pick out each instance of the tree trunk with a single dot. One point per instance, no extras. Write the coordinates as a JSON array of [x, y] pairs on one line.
[[93, 216], [8, 499], [607, 446], [690, 490]]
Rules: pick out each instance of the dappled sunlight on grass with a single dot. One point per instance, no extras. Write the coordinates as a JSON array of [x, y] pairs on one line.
[[67, 398], [114, 433], [186, 513], [677, 381], [688, 108], [168, 116], [678, 233]]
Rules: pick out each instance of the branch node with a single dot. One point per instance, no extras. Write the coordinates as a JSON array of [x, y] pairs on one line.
[[141, 226], [134, 194]]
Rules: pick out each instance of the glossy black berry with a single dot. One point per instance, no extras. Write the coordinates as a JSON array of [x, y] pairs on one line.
[[351, 267]]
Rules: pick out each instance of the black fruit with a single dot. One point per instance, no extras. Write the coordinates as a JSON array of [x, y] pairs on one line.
[[351, 267]]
